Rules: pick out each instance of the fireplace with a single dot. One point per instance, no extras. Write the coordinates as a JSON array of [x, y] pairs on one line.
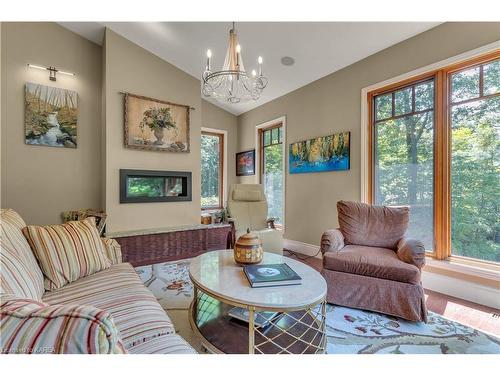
[[141, 186]]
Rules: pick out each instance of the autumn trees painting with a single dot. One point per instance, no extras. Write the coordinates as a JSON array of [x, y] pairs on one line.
[[50, 116]]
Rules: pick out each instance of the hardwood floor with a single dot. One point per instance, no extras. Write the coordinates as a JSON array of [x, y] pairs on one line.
[[481, 317]]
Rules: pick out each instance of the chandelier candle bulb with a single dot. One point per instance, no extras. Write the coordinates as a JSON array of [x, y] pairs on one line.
[[209, 56]]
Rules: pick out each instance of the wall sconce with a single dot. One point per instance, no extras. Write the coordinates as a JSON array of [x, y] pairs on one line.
[[52, 71]]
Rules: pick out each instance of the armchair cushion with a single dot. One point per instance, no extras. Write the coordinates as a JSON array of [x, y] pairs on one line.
[[248, 195], [368, 225], [412, 252], [34, 327], [373, 262], [332, 240]]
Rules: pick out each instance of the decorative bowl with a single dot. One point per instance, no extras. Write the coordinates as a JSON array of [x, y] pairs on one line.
[[248, 249]]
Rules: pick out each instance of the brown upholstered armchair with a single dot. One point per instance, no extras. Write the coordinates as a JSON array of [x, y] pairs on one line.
[[369, 264]]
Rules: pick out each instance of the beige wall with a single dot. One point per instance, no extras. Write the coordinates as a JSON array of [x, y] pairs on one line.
[[332, 104], [41, 182], [216, 118], [129, 68]]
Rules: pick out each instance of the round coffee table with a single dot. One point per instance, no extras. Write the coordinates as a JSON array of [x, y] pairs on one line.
[[220, 285]]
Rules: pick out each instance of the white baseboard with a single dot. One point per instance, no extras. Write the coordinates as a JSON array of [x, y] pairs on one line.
[[302, 248], [463, 289], [451, 286]]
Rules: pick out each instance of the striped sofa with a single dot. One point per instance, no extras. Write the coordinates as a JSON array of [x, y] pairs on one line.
[[110, 311]]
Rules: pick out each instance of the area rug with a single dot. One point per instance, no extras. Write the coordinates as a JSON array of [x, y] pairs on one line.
[[349, 331]]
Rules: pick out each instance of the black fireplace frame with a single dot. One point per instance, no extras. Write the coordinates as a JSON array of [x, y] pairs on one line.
[[126, 173]]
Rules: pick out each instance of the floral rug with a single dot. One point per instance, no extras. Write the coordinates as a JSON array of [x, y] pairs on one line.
[[349, 331]]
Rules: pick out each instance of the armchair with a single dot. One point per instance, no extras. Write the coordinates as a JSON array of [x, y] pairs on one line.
[[247, 206], [369, 264]]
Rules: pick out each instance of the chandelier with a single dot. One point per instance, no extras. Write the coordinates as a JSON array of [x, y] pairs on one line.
[[232, 83]]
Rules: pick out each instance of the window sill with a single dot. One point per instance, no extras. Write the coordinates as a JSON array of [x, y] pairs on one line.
[[466, 270]]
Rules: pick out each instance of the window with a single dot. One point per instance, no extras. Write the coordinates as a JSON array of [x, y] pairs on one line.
[[404, 155], [212, 159], [434, 144], [271, 158], [474, 104]]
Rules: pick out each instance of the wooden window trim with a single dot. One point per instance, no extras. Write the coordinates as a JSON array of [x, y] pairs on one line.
[[442, 145], [262, 147], [221, 171]]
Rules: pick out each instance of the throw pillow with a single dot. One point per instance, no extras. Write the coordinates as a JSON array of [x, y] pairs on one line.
[[67, 252]]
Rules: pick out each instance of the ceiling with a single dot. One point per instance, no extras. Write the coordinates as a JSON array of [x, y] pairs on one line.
[[319, 48]]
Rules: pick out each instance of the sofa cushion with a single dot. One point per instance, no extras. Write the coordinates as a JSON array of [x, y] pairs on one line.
[[118, 290], [368, 225], [12, 217], [168, 344], [32, 327], [20, 274], [371, 261], [68, 251]]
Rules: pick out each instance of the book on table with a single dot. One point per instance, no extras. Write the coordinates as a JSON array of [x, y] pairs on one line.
[[262, 275]]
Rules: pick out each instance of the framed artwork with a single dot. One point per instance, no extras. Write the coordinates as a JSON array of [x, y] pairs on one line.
[[245, 163], [76, 215], [322, 154], [50, 116], [156, 125]]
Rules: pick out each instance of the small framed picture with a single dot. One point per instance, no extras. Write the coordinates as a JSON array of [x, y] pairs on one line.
[[245, 163]]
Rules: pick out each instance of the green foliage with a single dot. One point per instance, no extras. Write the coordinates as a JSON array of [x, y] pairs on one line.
[[404, 163], [210, 161], [146, 187], [273, 180]]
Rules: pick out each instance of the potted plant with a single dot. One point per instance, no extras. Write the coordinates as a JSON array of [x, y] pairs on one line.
[[158, 119]]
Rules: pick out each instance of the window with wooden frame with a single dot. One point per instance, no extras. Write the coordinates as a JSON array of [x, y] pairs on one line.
[[271, 169], [212, 170], [434, 144]]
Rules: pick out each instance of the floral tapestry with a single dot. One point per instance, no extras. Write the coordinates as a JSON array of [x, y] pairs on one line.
[[156, 125]]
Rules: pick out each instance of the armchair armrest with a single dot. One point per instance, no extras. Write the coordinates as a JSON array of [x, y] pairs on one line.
[[113, 250], [332, 240], [30, 326], [411, 251]]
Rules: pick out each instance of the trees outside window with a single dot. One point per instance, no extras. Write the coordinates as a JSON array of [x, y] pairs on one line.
[[435, 146], [272, 170], [211, 170]]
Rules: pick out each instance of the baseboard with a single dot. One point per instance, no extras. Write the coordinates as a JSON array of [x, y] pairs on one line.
[[463, 289], [302, 248], [452, 286]]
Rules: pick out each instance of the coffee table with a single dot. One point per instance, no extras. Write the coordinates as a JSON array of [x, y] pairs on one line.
[[220, 284]]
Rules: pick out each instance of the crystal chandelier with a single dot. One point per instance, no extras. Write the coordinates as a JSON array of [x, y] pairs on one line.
[[232, 83]]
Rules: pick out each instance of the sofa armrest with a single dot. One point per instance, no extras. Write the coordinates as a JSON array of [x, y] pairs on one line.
[[332, 240], [113, 250], [30, 326], [411, 251]]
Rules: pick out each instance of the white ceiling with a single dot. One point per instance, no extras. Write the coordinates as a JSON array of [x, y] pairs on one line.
[[319, 48]]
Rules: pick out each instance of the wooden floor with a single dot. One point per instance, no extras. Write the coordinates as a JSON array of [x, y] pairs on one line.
[[481, 317]]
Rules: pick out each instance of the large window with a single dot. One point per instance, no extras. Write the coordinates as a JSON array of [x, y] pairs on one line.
[[404, 156], [474, 104], [212, 158], [271, 139], [434, 144]]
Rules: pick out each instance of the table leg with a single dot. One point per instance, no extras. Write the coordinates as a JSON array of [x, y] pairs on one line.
[[251, 332]]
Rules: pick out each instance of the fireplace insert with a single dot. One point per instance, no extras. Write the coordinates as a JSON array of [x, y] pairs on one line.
[[142, 186]]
